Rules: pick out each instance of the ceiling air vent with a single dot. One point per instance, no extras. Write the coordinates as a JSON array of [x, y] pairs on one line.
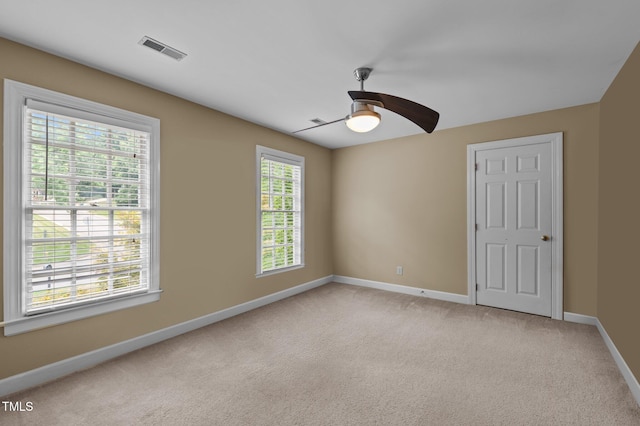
[[162, 48], [317, 121]]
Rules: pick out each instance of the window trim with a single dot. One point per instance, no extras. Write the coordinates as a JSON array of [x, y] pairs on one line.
[[288, 158], [15, 98]]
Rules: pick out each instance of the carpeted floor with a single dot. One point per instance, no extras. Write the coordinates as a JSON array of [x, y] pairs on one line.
[[346, 355]]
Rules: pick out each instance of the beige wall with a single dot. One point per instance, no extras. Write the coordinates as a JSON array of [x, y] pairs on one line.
[[207, 177], [619, 212], [404, 202]]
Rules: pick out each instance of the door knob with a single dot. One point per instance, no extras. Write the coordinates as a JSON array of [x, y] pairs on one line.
[[545, 238]]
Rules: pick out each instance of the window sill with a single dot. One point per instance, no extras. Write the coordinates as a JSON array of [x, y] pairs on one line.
[[278, 271], [35, 322]]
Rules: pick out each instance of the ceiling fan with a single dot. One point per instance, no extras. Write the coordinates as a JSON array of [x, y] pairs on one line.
[[363, 117]]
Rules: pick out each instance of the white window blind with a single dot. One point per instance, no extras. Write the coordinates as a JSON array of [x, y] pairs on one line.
[[86, 210], [280, 210]]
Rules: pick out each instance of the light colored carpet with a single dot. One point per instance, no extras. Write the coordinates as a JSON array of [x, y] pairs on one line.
[[346, 355]]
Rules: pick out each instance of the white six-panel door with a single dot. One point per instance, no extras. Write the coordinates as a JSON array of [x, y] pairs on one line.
[[514, 226]]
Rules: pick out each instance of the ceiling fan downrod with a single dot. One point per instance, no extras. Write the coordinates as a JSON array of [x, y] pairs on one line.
[[361, 75]]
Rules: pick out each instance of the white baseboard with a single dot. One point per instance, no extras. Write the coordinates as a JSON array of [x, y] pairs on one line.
[[580, 319], [396, 288], [631, 380], [67, 366]]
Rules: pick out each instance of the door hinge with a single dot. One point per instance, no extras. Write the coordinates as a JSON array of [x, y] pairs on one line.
[[476, 167], [476, 227], [477, 287]]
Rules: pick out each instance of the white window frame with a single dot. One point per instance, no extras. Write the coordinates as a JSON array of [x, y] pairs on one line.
[[16, 95], [287, 158]]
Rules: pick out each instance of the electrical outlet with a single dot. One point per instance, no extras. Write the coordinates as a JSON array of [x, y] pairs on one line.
[[399, 270]]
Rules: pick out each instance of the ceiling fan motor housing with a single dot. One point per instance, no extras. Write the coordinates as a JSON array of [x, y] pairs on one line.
[[357, 108], [362, 118]]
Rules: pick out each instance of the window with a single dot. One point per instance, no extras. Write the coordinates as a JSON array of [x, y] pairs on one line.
[[81, 208], [280, 215]]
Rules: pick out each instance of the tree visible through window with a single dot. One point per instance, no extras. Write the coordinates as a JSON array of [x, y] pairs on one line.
[[280, 210]]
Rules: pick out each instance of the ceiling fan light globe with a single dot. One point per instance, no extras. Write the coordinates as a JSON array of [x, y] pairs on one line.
[[363, 121]]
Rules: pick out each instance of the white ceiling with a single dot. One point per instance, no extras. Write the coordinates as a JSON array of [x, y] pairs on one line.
[[280, 63]]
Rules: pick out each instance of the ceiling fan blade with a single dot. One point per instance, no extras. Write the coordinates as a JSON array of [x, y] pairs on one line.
[[319, 125], [424, 117]]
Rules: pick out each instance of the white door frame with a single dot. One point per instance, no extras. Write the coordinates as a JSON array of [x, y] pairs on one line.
[[557, 236]]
